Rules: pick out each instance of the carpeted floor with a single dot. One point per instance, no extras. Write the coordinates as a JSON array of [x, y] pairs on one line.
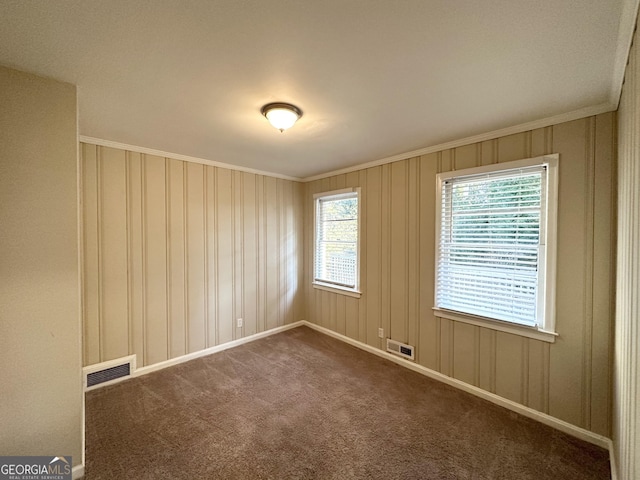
[[302, 405]]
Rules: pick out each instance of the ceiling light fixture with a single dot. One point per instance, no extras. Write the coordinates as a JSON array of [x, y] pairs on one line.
[[281, 115]]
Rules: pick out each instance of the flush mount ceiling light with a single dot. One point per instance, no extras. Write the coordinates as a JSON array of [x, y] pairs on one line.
[[281, 115]]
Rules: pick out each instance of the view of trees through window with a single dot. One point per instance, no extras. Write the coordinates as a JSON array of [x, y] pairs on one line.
[[489, 245], [336, 240]]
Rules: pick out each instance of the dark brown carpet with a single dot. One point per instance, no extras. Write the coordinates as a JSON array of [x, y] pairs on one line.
[[300, 404]]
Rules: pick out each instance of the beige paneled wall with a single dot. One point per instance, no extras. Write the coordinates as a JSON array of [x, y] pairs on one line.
[[569, 379], [175, 252], [626, 421]]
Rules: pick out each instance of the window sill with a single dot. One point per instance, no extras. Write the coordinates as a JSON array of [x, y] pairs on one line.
[[522, 330], [335, 289]]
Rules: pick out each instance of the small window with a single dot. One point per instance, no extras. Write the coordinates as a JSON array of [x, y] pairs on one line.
[[496, 242], [336, 262]]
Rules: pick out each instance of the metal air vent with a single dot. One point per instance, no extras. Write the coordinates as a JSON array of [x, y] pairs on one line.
[[401, 349]]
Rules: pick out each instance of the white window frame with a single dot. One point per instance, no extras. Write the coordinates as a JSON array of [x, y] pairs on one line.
[[546, 330], [352, 292]]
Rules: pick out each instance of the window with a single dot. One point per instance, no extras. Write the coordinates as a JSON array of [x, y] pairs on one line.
[[496, 244], [335, 261]]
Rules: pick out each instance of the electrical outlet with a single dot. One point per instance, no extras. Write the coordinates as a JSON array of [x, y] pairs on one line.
[[239, 323], [381, 332]]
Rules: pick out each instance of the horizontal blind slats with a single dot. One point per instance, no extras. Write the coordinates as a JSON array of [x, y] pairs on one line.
[[489, 244]]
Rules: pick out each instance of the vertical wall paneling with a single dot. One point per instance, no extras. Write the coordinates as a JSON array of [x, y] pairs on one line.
[[91, 274], [565, 379], [626, 364], [413, 243], [466, 157], [509, 366], [373, 295], [224, 255], [308, 227], [249, 255], [589, 179], [464, 355], [488, 152], [513, 147], [300, 292], [341, 319], [291, 271], [128, 220], [136, 265], [385, 248], [175, 251], [137, 309], [535, 375], [261, 256], [487, 360], [196, 260], [113, 254], [184, 266], [212, 258], [398, 255], [567, 376], [354, 311], [167, 209], [156, 259], [237, 234], [428, 352], [603, 270], [538, 143], [281, 264], [205, 266], [360, 179], [333, 314]]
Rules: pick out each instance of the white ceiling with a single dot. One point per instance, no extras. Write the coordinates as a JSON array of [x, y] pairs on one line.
[[374, 78]]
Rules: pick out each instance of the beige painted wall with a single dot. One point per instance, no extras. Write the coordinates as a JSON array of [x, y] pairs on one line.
[[569, 379], [175, 252], [626, 421], [40, 379]]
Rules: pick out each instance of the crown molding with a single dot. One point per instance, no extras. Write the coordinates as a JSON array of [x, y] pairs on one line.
[[627, 27], [177, 156], [523, 127]]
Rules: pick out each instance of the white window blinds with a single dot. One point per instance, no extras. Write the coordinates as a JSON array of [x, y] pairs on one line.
[[491, 245], [336, 239]]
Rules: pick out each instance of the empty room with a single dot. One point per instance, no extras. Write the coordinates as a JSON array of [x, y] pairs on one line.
[[316, 240]]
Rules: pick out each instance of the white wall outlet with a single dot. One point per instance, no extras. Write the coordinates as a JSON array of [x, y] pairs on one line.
[[381, 332], [239, 322]]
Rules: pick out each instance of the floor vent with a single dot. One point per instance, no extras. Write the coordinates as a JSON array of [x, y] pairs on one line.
[[401, 349], [108, 371]]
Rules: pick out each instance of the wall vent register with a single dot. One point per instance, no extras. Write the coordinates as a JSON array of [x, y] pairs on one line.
[[108, 374], [401, 349]]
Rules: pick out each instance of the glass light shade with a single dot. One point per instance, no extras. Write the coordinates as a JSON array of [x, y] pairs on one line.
[[281, 115]]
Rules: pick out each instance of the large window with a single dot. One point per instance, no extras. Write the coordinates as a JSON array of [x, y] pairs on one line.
[[336, 240], [496, 243]]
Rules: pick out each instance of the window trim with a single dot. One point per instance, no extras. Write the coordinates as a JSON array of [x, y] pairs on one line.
[[339, 289], [546, 331]]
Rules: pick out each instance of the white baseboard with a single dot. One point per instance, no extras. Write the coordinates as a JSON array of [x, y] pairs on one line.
[[77, 472], [612, 460], [136, 372], [554, 422]]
